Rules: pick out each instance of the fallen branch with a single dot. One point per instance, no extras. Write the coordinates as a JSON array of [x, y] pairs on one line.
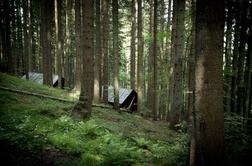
[[47, 96]]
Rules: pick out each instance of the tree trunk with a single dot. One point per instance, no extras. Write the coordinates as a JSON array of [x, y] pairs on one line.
[[235, 59], [105, 33], [191, 86], [209, 84], [78, 45], [228, 57], [178, 53], [133, 45], [27, 37], [140, 56], [98, 54], [46, 42], [7, 42], [248, 81], [168, 54], [150, 61], [154, 54], [59, 39], [116, 54], [83, 108]]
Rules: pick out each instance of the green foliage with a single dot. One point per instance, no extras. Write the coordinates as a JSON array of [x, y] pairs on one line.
[[108, 138], [238, 141]]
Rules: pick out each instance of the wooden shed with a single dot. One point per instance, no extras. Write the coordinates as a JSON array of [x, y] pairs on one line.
[[127, 98], [38, 78]]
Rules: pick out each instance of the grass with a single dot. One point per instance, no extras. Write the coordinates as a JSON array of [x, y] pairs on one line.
[[43, 126]]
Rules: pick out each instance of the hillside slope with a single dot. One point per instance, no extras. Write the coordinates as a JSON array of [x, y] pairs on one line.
[[44, 132]]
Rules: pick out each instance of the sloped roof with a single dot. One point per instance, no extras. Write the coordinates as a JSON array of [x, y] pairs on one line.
[[38, 77], [123, 94]]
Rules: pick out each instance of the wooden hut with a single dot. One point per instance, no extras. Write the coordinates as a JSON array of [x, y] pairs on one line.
[[38, 78], [127, 98]]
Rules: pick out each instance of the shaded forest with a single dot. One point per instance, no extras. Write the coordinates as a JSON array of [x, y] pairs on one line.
[[189, 62]]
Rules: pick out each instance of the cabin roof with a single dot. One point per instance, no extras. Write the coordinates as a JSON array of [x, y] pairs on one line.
[[123, 94], [38, 77]]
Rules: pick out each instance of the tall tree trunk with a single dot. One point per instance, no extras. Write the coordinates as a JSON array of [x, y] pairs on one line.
[[7, 42], [150, 61], [163, 66], [191, 86], [178, 53], [140, 56], [116, 54], [83, 108], [241, 58], [133, 45], [248, 81], [105, 33], [59, 39], [154, 54], [27, 37], [235, 59], [168, 54], [46, 42], [68, 69], [228, 57], [78, 45], [209, 84], [98, 54]]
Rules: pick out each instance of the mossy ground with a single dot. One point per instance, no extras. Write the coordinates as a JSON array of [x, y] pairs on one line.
[[44, 127]]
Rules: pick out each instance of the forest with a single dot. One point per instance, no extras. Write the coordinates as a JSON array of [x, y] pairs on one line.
[[126, 82]]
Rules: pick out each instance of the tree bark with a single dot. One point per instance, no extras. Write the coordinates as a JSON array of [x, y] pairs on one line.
[[78, 45], [83, 108], [46, 42], [209, 85], [133, 45], [140, 56], [59, 39], [154, 54], [98, 56], [115, 54], [178, 53], [105, 33]]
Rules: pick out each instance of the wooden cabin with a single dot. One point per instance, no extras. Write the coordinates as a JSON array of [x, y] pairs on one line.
[[127, 98], [38, 78]]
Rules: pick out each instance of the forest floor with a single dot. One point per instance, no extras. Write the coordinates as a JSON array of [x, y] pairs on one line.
[[40, 131]]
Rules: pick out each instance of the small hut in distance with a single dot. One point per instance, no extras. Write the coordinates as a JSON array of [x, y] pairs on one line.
[[127, 98], [38, 78]]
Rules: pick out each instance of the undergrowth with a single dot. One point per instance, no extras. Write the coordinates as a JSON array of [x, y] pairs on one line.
[[107, 138]]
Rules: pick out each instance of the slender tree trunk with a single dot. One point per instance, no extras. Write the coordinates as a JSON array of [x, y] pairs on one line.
[[59, 39], [105, 50], [27, 37], [228, 57], [46, 42], [7, 42], [133, 45], [83, 108], [209, 84], [150, 61], [248, 81], [140, 56], [116, 54], [155, 86], [168, 54], [241, 58], [235, 59], [98, 51], [78, 45], [68, 69], [191, 86], [177, 100]]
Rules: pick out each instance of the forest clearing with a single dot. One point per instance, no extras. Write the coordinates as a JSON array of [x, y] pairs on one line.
[[126, 82]]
